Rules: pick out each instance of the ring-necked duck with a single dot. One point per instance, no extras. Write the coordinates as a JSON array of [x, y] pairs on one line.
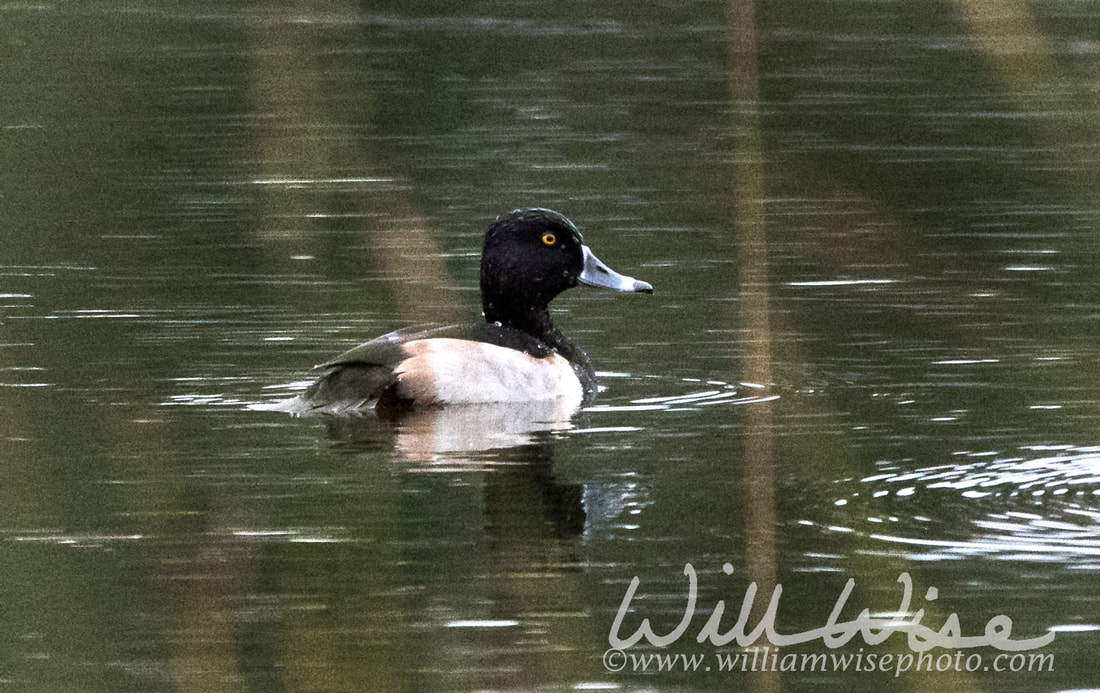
[[517, 355]]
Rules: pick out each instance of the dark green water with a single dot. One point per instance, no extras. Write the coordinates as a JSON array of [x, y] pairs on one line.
[[872, 350]]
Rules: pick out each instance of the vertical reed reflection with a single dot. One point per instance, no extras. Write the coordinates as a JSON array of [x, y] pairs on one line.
[[752, 292]]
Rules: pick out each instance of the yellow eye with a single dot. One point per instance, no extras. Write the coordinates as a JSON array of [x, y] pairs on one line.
[[549, 238]]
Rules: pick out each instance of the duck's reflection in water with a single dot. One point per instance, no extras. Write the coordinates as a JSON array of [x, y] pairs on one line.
[[512, 441]]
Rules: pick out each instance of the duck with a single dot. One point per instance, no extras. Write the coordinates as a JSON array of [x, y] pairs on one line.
[[515, 355]]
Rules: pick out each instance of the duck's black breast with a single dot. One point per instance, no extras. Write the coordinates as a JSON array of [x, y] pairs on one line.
[[449, 365]]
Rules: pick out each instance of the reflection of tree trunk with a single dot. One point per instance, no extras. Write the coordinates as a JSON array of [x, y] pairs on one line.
[[208, 660], [291, 177], [1006, 33], [1009, 37], [298, 162], [752, 255]]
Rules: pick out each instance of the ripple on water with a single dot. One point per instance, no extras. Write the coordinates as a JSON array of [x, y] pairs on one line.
[[1035, 503], [460, 430], [699, 393], [630, 393], [981, 474]]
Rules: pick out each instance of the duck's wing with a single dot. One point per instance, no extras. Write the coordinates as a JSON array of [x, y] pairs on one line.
[[389, 349], [386, 350]]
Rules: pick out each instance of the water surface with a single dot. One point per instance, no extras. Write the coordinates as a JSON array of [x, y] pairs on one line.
[[871, 350]]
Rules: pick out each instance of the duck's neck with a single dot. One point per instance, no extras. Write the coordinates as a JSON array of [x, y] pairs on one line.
[[535, 320], [523, 316]]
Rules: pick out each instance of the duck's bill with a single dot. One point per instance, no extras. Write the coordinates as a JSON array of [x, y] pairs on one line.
[[596, 273]]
